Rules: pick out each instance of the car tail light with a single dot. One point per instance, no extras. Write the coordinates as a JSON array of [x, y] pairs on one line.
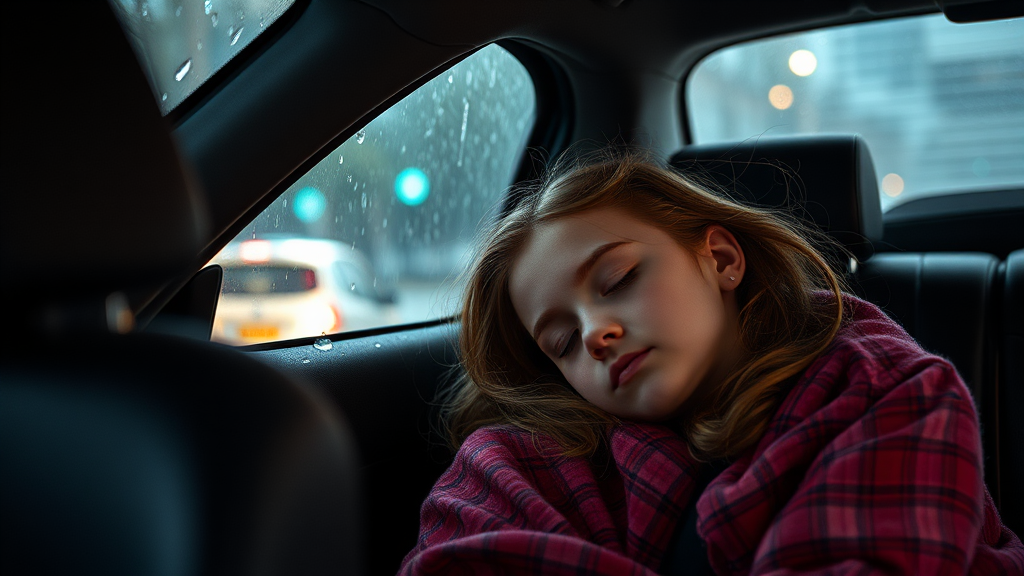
[[310, 279], [339, 320]]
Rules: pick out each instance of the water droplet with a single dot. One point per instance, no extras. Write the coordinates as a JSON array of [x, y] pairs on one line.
[[177, 11], [324, 344], [341, 160], [305, 360], [349, 178], [163, 97], [234, 39], [183, 70], [199, 45], [208, 5], [364, 200], [385, 223], [403, 149], [469, 78], [214, 19], [360, 136], [145, 10], [376, 345], [451, 78], [352, 287]]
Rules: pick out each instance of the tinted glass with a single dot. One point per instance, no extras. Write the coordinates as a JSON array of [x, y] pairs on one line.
[[265, 279], [941, 105], [392, 213], [181, 43]]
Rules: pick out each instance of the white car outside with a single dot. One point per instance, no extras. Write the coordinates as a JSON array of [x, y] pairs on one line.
[[282, 288]]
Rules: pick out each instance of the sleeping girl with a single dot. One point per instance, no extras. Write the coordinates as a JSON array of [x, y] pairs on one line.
[[661, 380]]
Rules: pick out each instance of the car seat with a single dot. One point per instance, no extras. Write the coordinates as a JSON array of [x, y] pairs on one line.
[[125, 452]]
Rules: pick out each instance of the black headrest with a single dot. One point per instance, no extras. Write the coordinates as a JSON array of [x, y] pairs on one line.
[[828, 179], [96, 198]]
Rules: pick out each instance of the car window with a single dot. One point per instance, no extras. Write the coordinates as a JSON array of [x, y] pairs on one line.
[[181, 44], [941, 105], [385, 221]]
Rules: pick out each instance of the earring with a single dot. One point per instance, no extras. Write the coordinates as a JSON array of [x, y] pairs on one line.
[[732, 278]]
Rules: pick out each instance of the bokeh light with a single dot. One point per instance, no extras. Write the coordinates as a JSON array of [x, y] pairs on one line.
[[892, 185], [780, 96], [310, 204], [803, 62], [412, 186]]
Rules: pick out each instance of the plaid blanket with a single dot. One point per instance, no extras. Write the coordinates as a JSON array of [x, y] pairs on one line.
[[871, 464]]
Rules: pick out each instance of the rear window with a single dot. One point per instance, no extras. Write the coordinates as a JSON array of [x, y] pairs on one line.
[[941, 105], [267, 279]]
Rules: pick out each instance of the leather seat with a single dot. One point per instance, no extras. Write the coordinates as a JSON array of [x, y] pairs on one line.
[[1010, 392], [126, 452]]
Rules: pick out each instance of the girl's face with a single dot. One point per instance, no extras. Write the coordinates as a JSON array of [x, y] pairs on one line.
[[635, 322]]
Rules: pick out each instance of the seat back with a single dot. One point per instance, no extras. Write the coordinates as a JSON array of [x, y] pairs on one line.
[[1010, 392], [946, 301], [124, 452]]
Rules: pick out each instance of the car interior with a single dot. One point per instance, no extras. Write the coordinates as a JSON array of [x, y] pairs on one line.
[[130, 443]]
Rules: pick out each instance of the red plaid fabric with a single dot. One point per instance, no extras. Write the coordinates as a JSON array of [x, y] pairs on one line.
[[872, 464]]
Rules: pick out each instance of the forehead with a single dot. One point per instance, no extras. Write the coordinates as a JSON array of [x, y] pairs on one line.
[[545, 269]]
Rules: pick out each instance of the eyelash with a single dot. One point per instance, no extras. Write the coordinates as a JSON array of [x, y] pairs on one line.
[[626, 280], [569, 345]]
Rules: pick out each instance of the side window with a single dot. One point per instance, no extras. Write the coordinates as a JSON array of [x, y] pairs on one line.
[[941, 105], [379, 231]]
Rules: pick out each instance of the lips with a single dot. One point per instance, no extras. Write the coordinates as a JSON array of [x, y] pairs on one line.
[[626, 366]]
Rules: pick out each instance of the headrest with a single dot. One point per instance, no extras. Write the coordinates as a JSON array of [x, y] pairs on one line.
[[96, 198], [828, 180]]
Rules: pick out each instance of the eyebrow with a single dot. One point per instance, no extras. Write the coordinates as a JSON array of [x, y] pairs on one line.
[[578, 278]]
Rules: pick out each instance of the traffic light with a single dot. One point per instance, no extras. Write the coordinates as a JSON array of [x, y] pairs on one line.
[[412, 186], [310, 204]]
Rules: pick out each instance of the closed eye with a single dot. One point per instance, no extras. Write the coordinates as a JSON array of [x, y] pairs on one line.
[[626, 280], [567, 349]]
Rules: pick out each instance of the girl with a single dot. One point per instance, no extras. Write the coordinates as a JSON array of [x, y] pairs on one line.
[[660, 379]]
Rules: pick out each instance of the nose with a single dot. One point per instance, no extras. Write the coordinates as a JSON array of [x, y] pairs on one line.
[[599, 336]]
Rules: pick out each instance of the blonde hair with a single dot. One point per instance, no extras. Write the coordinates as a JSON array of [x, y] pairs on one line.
[[785, 322]]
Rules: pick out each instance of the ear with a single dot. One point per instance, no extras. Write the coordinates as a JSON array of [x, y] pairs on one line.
[[727, 253]]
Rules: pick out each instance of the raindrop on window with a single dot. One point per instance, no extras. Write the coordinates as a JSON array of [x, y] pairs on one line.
[[376, 345], [163, 97], [360, 136], [199, 45], [214, 19], [364, 200], [177, 11], [451, 78], [183, 70], [208, 6], [341, 160], [324, 344], [238, 34], [352, 287]]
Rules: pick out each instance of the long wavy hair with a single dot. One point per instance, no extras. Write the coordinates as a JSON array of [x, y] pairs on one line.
[[786, 315]]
